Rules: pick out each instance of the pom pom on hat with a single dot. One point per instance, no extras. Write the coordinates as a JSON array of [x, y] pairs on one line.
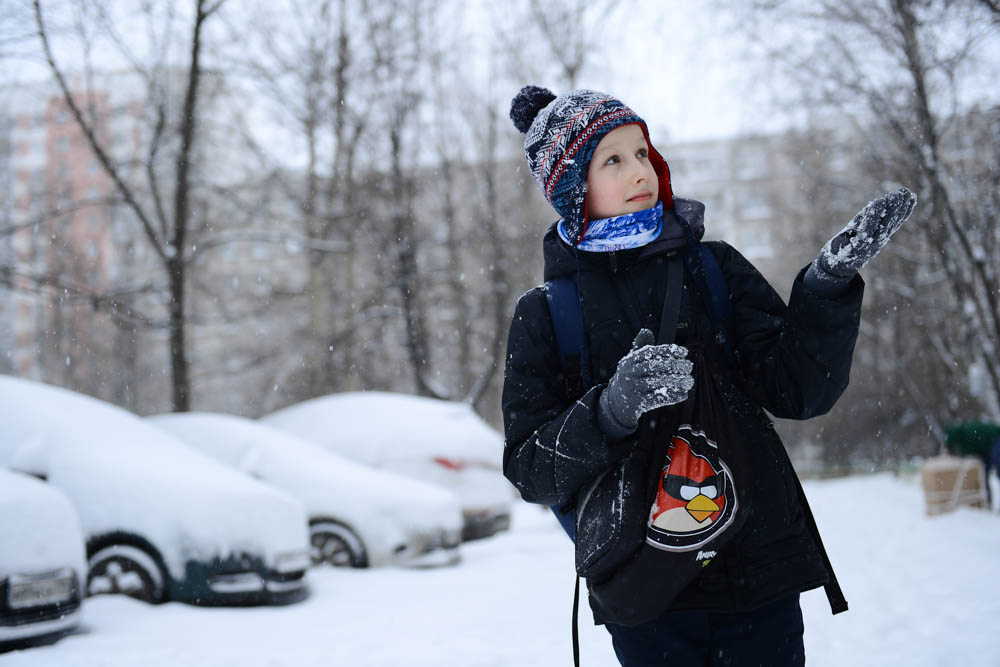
[[526, 105]]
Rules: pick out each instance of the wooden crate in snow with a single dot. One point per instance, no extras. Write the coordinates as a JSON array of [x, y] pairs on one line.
[[950, 482]]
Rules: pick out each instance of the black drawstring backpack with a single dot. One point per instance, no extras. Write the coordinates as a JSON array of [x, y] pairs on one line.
[[639, 519]]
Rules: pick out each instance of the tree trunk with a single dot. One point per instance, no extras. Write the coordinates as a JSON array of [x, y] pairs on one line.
[[976, 285], [176, 259], [406, 268], [178, 359], [498, 268]]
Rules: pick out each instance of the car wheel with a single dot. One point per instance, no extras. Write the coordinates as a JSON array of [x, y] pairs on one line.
[[125, 569], [336, 544]]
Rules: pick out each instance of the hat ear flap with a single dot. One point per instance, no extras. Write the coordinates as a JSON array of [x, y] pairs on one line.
[[662, 170], [575, 211]]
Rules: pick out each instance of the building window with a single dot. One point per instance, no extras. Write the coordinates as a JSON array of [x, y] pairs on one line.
[[838, 159], [755, 206], [755, 242], [752, 164], [261, 286], [65, 198], [701, 166], [714, 205]]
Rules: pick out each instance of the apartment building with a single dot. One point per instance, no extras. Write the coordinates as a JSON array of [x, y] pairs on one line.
[[82, 300], [59, 234]]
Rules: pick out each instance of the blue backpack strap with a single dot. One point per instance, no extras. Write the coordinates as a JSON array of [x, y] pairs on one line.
[[566, 516], [567, 321], [711, 285]]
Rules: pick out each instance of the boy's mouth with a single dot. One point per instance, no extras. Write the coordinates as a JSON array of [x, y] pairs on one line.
[[642, 196]]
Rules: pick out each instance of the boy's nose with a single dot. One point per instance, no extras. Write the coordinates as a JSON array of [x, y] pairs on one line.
[[638, 172]]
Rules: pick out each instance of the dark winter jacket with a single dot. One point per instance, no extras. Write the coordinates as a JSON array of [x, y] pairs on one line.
[[794, 362]]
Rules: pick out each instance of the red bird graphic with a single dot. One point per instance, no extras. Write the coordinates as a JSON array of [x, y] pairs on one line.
[[692, 492]]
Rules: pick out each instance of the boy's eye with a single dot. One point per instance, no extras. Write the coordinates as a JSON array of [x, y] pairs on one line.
[[612, 160], [642, 152]]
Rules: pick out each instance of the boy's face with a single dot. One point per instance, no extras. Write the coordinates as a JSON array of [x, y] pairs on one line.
[[621, 179]]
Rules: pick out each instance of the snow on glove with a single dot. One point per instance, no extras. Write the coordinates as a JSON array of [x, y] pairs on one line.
[[862, 238], [648, 377]]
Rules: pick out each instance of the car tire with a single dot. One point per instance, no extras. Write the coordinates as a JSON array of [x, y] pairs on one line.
[[336, 544], [125, 566]]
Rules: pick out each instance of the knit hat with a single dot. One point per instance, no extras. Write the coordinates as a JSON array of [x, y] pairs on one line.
[[561, 133]]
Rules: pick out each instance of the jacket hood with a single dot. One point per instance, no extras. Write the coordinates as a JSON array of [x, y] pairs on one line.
[[561, 259]]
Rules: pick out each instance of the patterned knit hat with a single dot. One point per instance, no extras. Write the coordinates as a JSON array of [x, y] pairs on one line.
[[561, 135]]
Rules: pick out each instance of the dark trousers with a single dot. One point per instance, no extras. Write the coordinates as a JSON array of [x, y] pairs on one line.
[[770, 636], [992, 461]]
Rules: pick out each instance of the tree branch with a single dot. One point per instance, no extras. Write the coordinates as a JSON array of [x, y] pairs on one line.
[[88, 131]]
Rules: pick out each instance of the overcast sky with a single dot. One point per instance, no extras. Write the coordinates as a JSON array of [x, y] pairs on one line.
[[680, 69], [671, 61], [678, 63]]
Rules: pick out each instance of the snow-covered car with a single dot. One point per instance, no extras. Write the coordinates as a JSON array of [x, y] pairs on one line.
[[441, 442], [161, 521], [358, 516], [42, 565]]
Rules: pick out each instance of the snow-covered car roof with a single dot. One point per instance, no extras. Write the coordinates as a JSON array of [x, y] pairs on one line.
[[382, 427], [123, 474], [327, 484], [39, 529]]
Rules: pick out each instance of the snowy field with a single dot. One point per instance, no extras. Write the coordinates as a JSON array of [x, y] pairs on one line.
[[923, 592]]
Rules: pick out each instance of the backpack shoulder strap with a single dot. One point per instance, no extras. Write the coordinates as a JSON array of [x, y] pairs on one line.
[[704, 269], [567, 321], [563, 300]]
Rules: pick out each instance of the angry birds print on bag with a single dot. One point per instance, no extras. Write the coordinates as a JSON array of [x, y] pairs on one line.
[[696, 498]]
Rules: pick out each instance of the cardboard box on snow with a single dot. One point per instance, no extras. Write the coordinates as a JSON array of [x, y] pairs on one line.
[[951, 481]]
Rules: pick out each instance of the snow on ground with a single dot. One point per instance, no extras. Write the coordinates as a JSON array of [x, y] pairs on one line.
[[923, 592]]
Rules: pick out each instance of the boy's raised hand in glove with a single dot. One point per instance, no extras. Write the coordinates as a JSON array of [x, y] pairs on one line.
[[648, 377], [862, 238]]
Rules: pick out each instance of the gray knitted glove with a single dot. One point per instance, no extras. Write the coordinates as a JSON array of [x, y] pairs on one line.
[[862, 238], [648, 377]]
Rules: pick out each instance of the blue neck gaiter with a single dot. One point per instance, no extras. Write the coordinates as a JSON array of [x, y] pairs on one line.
[[632, 230]]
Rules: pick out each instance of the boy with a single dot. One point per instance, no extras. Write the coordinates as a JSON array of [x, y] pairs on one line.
[[592, 158]]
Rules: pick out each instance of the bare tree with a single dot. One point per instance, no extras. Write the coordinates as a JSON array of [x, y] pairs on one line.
[[993, 6], [307, 67], [16, 32], [502, 303], [533, 32], [892, 74], [166, 232]]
